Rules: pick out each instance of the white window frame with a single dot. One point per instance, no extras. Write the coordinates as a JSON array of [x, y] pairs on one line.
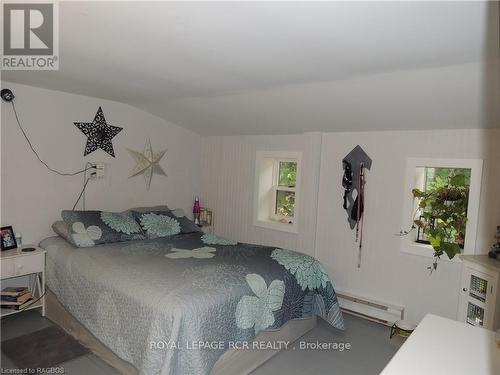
[[414, 180], [277, 187], [266, 188]]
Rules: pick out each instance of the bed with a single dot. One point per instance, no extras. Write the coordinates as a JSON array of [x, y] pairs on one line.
[[175, 305]]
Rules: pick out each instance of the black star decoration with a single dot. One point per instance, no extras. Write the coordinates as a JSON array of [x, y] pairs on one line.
[[99, 134]]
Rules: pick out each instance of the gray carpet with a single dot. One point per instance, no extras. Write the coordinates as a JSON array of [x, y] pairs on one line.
[[371, 349], [43, 349]]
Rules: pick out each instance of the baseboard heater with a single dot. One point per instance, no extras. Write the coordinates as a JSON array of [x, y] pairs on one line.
[[370, 309]]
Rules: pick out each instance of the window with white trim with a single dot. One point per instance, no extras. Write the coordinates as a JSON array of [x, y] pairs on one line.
[[451, 188], [276, 190], [285, 178]]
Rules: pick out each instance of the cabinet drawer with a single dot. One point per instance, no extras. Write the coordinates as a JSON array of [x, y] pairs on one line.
[[7, 267], [29, 264]]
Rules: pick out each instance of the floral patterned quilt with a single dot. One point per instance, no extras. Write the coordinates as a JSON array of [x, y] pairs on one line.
[[153, 301]]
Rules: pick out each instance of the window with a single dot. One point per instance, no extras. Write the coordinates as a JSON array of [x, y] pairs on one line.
[[276, 197], [286, 180], [441, 196], [451, 186]]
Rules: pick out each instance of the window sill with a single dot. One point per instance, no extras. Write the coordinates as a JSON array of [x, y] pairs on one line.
[[276, 225], [427, 251]]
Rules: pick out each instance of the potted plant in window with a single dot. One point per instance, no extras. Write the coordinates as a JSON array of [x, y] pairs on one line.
[[443, 216]]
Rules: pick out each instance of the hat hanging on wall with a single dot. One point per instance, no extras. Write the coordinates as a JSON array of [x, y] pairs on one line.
[[99, 134], [147, 163], [355, 164]]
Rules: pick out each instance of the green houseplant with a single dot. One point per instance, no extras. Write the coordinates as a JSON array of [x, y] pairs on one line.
[[442, 210]]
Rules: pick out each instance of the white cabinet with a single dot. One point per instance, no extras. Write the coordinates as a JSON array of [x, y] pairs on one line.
[[479, 296]]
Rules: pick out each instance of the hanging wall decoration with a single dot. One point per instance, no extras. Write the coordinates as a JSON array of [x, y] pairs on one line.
[[147, 163], [99, 134], [353, 181]]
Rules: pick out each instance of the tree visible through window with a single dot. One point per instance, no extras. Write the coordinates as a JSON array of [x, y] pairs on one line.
[[442, 209], [439, 177], [285, 188]]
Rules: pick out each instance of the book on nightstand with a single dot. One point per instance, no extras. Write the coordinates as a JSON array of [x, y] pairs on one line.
[[14, 291], [16, 298]]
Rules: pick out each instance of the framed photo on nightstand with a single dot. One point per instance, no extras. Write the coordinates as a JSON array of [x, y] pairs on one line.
[[7, 238]]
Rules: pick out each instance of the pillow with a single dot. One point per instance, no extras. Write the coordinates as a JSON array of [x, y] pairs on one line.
[[62, 230], [156, 224], [148, 209], [179, 212], [188, 226], [89, 228]]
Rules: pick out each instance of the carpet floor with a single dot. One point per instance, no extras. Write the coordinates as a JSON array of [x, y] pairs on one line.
[[43, 349], [370, 349]]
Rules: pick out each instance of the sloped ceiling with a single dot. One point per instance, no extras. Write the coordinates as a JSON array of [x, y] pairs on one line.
[[276, 68]]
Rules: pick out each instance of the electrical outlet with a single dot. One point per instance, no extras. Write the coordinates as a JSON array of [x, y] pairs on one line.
[[100, 169]]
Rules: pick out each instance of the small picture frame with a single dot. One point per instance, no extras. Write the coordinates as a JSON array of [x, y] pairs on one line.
[[7, 238]]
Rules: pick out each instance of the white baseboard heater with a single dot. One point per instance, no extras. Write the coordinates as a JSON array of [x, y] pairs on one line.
[[367, 308]]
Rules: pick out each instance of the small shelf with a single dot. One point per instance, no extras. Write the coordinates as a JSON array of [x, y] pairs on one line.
[[7, 312]]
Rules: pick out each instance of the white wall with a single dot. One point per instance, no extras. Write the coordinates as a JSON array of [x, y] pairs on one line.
[[386, 274], [228, 178], [32, 197]]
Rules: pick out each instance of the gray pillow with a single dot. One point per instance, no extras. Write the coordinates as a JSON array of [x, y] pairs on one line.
[[149, 209], [188, 226], [179, 212], [156, 224], [62, 230], [89, 228]]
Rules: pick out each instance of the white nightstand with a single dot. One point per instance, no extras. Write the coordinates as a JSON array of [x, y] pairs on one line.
[[16, 263]]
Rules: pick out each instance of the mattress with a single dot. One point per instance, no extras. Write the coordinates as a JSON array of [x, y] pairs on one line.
[[175, 305]]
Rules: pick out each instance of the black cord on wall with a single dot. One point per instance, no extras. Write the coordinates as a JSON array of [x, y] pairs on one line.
[[81, 193], [8, 97], [36, 153]]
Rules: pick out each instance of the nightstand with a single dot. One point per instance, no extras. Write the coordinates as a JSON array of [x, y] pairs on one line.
[[31, 265]]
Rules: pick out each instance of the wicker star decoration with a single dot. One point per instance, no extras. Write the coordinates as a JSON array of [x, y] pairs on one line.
[[147, 163], [99, 134]]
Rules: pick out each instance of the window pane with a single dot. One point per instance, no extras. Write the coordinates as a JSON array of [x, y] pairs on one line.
[[287, 173], [285, 203], [446, 210], [439, 177]]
